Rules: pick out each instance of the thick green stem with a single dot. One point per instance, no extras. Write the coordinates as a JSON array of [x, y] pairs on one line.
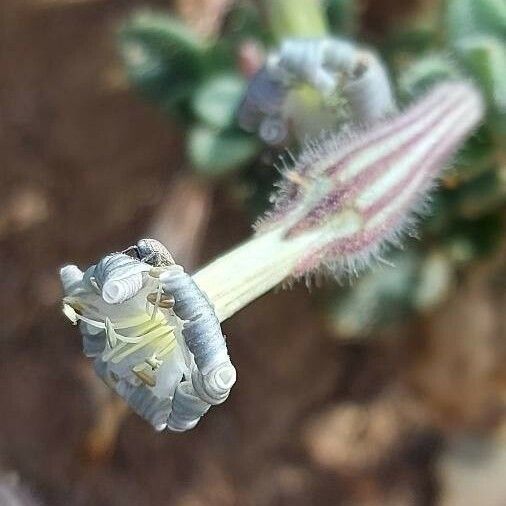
[[295, 18], [248, 271]]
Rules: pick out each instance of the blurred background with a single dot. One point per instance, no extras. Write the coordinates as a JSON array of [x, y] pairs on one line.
[[388, 392]]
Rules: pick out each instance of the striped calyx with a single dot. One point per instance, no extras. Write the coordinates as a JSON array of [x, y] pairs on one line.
[[347, 196]]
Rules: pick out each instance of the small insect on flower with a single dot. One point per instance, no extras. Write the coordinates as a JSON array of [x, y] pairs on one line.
[[152, 334]]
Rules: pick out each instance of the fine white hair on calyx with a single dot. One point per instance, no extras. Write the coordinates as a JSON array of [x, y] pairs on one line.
[[358, 192]]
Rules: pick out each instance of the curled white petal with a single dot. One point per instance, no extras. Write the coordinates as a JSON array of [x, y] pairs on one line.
[[170, 364], [117, 291], [70, 277], [119, 277], [273, 130], [214, 374], [187, 408], [214, 387], [369, 92]]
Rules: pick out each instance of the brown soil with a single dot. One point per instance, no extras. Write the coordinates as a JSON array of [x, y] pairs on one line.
[[86, 167]]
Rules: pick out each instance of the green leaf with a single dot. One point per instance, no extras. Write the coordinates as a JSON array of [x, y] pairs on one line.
[[485, 57], [433, 281], [472, 239], [216, 101], [163, 57], [342, 16], [481, 195], [475, 157], [492, 16], [245, 22], [422, 73], [474, 17], [215, 152], [378, 298]]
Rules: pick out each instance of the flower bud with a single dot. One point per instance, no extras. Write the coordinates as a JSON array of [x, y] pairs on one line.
[[348, 196]]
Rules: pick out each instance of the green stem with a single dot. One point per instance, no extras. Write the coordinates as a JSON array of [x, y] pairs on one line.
[[250, 270], [295, 18]]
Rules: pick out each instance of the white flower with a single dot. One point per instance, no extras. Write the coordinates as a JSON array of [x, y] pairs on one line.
[[164, 354]]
